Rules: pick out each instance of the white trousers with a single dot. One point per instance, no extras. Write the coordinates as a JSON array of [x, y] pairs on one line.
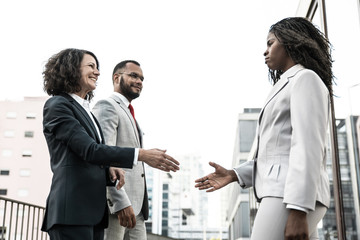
[[117, 232], [271, 218]]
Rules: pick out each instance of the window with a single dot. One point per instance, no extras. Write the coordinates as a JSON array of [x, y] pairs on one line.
[[247, 134], [9, 133], [29, 134], [6, 153], [11, 115], [23, 193], [25, 172], [3, 191], [184, 219], [165, 186], [165, 196], [30, 115], [5, 172], [164, 223], [27, 153]]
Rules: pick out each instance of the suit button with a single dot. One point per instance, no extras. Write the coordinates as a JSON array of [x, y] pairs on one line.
[[142, 175]]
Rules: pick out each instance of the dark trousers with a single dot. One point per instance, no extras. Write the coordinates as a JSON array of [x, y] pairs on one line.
[[71, 232]]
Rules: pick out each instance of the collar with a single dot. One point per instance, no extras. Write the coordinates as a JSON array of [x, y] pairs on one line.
[[291, 71], [123, 98], [80, 100]]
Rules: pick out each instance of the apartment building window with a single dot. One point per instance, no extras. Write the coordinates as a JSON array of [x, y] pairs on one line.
[[29, 134], [5, 172], [3, 191], [9, 133], [27, 153], [6, 153], [184, 219], [11, 115], [31, 115], [25, 172], [23, 193], [165, 195]]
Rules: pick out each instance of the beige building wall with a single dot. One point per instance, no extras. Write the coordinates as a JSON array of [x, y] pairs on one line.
[[25, 173]]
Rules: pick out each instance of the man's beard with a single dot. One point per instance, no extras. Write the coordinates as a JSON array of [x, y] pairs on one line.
[[126, 90]]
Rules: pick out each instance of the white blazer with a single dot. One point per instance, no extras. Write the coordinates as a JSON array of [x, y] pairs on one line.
[[290, 159]]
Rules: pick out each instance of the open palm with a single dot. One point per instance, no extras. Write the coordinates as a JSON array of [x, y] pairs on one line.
[[216, 180]]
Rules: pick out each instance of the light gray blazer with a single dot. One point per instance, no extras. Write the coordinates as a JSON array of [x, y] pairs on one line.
[[290, 155], [120, 129]]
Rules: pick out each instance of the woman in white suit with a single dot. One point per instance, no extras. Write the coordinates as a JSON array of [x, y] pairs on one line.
[[288, 172]]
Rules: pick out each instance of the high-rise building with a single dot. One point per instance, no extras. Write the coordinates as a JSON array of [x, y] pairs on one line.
[[348, 147], [179, 209], [238, 213], [25, 173]]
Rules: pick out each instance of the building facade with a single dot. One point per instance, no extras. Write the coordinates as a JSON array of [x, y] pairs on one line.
[[25, 173], [179, 210], [241, 200], [348, 147]]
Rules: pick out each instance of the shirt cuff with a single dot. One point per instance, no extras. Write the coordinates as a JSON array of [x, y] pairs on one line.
[[242, 184], [295, 207], [136, 156]]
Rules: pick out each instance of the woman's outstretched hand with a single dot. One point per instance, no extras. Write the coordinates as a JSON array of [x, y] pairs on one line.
[[216, 180]]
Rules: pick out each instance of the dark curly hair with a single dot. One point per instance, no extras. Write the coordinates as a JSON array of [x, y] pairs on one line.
[[62, 72], [306, 45]]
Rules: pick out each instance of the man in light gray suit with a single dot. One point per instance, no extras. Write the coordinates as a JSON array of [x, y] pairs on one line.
[[129, 206]]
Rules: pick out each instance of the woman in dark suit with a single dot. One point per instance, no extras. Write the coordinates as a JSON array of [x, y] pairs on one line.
[[288, 170], [76, 206]]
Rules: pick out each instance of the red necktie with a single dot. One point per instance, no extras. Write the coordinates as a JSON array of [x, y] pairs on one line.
[[132, 111]]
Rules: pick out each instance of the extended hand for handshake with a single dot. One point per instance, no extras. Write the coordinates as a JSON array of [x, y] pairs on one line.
[[155, 158]]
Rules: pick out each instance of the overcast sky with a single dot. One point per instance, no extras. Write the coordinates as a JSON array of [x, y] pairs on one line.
[[202, 59]]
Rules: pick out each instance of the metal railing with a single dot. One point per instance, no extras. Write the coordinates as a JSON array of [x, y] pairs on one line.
[[20, 220]]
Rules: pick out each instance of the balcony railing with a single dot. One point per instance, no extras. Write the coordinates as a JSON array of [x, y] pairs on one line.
[[20, 220]]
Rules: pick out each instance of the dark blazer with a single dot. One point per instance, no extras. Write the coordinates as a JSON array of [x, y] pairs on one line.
[[79, 163]]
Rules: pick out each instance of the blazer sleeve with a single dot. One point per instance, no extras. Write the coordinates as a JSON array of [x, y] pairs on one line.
[[309, 112], [245, 172], [63, 126], [108, 119]]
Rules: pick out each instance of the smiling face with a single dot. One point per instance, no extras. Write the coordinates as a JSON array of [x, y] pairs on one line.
[[129, 81], [89, 75], [276, 57]]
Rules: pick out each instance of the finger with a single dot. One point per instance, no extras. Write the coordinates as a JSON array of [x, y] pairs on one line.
[[203, 179], [112, 174], [172, 164], [214, 165], [170, 158], [199, 185], [120, 184], [132, 221], [211, 190], [123, 221], [166, 166]]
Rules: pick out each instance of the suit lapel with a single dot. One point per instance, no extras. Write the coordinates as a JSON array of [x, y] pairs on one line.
[[284, 79], [274, 91], [84, 116], [135, 126]]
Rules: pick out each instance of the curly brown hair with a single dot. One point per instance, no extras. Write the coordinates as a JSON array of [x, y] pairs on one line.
[[306, 45], [62, 72]]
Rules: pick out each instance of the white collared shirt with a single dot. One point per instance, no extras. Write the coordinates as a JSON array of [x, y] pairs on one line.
[[85, 104]]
